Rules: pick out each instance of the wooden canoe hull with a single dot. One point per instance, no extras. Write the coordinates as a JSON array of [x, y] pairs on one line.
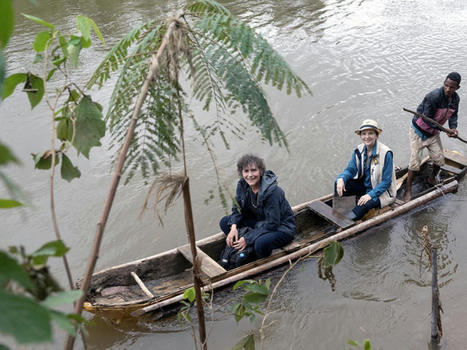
[[115, 294]]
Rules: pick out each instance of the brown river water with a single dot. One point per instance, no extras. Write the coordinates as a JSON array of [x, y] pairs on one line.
[[362, 59]]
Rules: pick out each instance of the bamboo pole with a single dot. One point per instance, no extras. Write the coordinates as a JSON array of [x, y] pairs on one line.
[[432, 121], [435, 316], [450, 187], [152, 74]]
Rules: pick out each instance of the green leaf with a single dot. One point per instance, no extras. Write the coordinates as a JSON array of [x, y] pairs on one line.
[[43, 160], [65, 129], [247, 343], [40, 42], [83, 26], [34, 87], [37, 58], [366, 345], [257, 288], [241, 283], [64, 45], [74, 48], [7, 21], [10, 269], [23, 318], [53, 248], [63, 321], [6, 156], [189, 294], [61, 298], [255, 298], [9, 203], [333, 253], [69, 171], [2, 72], [4, 347], [11, 82], [352, 342], [96, 30], [90, 127], [39, 21]]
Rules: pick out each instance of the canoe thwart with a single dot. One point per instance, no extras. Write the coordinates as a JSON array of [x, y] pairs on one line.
[[142, 285], [325, 211], [451, 169], [208, 266]]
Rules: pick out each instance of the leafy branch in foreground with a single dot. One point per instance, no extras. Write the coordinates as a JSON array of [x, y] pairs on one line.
[[29, 295], [256, 293]]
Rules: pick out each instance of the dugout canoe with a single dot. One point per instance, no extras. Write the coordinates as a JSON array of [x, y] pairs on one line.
[[156, 284]]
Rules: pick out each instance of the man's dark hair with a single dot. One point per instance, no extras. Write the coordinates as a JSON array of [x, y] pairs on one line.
[[248, 159], [454, 76]]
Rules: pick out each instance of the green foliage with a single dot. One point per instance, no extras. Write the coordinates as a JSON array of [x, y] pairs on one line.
[[7, 21], [39, 21], [7, 157], [189, 297], [90, 127], [68, 170], [246, 343], [226, 62], [256, 292], [20, 313], [9, 203], [332, 255], [366, 344], [28, 294]]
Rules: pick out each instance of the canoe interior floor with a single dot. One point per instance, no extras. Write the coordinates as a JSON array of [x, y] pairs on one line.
[[158, 287]]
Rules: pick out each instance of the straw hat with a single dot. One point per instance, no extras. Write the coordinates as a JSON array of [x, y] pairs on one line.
[[368, 124]]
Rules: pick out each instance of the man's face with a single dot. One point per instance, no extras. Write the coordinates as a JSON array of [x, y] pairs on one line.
[[449, 87]]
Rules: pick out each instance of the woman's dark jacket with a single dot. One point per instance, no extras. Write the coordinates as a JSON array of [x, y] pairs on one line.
[[275, 211]]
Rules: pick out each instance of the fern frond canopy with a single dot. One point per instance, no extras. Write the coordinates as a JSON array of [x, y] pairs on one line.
[[224, 64]]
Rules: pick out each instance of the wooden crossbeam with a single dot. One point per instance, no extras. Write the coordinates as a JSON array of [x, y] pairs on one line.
[[208, 265], [325, 211]]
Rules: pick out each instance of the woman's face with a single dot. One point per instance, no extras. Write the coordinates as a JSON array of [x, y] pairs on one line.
[[369, 137], [252, 175]]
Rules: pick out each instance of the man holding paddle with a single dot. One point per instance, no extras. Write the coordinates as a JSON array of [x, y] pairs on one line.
[[439, 105]]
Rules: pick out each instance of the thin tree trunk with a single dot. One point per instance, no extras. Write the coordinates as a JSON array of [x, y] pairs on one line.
[[152, 73], [435, 316], [196, 265]]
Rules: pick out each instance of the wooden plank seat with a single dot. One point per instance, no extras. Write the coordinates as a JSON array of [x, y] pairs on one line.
[[326, 212], [451, 169], [208, 266]]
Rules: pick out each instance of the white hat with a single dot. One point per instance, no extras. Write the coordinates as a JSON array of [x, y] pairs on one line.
[[368, 124]]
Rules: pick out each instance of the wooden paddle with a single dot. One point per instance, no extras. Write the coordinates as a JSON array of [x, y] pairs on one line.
[[427, 119]]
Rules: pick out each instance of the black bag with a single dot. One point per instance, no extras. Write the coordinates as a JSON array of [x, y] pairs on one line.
[[232, 258]]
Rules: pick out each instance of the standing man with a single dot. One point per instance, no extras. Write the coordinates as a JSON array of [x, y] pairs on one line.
[[441, 105]]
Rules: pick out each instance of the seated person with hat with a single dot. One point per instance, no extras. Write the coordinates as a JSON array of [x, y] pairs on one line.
[[369, 174]]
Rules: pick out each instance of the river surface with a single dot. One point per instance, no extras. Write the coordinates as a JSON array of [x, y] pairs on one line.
[[362, 59]]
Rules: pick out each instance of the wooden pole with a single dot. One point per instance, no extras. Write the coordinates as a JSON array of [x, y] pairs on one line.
[[435, 316], [197, 283], [152, 73], [450, 187], [432, 121]]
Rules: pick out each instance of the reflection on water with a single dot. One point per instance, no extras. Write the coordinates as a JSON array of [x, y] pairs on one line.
[[362, 58]]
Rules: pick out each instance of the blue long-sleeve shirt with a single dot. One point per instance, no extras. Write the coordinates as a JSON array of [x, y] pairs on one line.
[[386, 178]]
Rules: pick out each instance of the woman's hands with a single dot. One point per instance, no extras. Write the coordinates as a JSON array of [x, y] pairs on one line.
[[364, 199], [340, 187], [233, 241]]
